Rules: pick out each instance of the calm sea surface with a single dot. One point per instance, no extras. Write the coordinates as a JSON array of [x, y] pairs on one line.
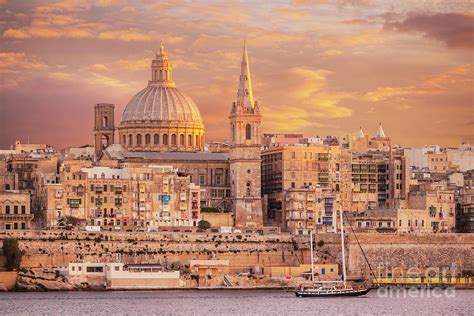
[[194, 302]]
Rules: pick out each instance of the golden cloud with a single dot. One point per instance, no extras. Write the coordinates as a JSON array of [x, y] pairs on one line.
[[308, 82], [125, 35], [13, 62], [454, 79], [367, 38]]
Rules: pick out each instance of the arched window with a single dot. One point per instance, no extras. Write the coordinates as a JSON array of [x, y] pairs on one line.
[[190, 140], [165, 139], [105, 121], [139, 139], [124, 140], [147, 139], [197, 141], [130, 139], [248, 131], [156, 139], [181, 139], [173, 139], [161, 74]]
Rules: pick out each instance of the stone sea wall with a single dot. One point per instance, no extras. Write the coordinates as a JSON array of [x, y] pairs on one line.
[[50, 249]]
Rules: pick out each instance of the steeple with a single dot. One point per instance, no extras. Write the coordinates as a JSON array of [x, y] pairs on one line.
[[161, 69], [361, 133], [245, 94], [380, 133]]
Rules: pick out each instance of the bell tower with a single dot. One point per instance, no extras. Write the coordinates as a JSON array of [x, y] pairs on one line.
[[103, 126], [245, 161]]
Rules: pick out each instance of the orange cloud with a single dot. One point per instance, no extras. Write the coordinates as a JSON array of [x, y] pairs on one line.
[[452, 79], [125, 35], [13, 62], [371, 37]]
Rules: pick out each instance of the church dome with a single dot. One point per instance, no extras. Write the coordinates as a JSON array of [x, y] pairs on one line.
[[160, 117], [161, 103]]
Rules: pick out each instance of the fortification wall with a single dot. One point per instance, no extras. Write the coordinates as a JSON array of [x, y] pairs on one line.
[[384, 251]]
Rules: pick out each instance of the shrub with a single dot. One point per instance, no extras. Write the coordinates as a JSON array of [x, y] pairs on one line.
[[12, 253], [204, 225]]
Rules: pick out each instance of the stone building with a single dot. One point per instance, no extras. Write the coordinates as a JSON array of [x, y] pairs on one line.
[[379, 220], [310, 208], [416, 221], [439, 201], [15, 212], [370, 182], [120, 198], [362, 143], [302, 166]]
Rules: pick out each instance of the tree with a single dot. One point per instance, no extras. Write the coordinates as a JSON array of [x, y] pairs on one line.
[[204, 225], [12, 252]]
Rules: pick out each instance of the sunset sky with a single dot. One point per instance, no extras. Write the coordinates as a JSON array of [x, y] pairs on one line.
[[319, 67]]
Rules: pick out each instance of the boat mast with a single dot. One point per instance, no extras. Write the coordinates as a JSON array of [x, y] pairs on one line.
[[343, 250], [312, 256]]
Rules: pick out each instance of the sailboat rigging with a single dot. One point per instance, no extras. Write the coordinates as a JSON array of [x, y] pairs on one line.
[[336, 290]]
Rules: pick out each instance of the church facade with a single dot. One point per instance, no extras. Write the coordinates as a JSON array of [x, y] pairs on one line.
[[162, 126]]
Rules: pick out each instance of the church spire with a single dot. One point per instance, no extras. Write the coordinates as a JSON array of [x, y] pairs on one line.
[[380, 133], [361, 133], [245, 94]]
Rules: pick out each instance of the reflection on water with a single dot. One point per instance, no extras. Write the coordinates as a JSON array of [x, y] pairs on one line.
[[194, 302]]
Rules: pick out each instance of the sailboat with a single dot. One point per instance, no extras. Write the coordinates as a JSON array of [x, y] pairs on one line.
[[331, 288]]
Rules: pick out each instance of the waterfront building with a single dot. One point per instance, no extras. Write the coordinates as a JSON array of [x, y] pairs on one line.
[[416, 221], [15, 211], [377, 220], [302, 166], [310, 209], [439, 201], [119, 276], [118, 198]]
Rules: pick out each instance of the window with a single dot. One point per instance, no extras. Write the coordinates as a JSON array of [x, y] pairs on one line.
[[156, 139], [92, 187], [147, 139], [23, 226], [23, 209], [117, 268], [400, 223], [130, 140], [173, 139], [248, 131], [181, 139], [15, 209], [124, 139], [139, 139], [95, 269], [190, 140], [105, 187], [165, 139]]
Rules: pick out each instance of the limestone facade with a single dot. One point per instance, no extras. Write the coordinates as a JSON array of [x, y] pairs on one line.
[[119, 198], [15, 211]]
